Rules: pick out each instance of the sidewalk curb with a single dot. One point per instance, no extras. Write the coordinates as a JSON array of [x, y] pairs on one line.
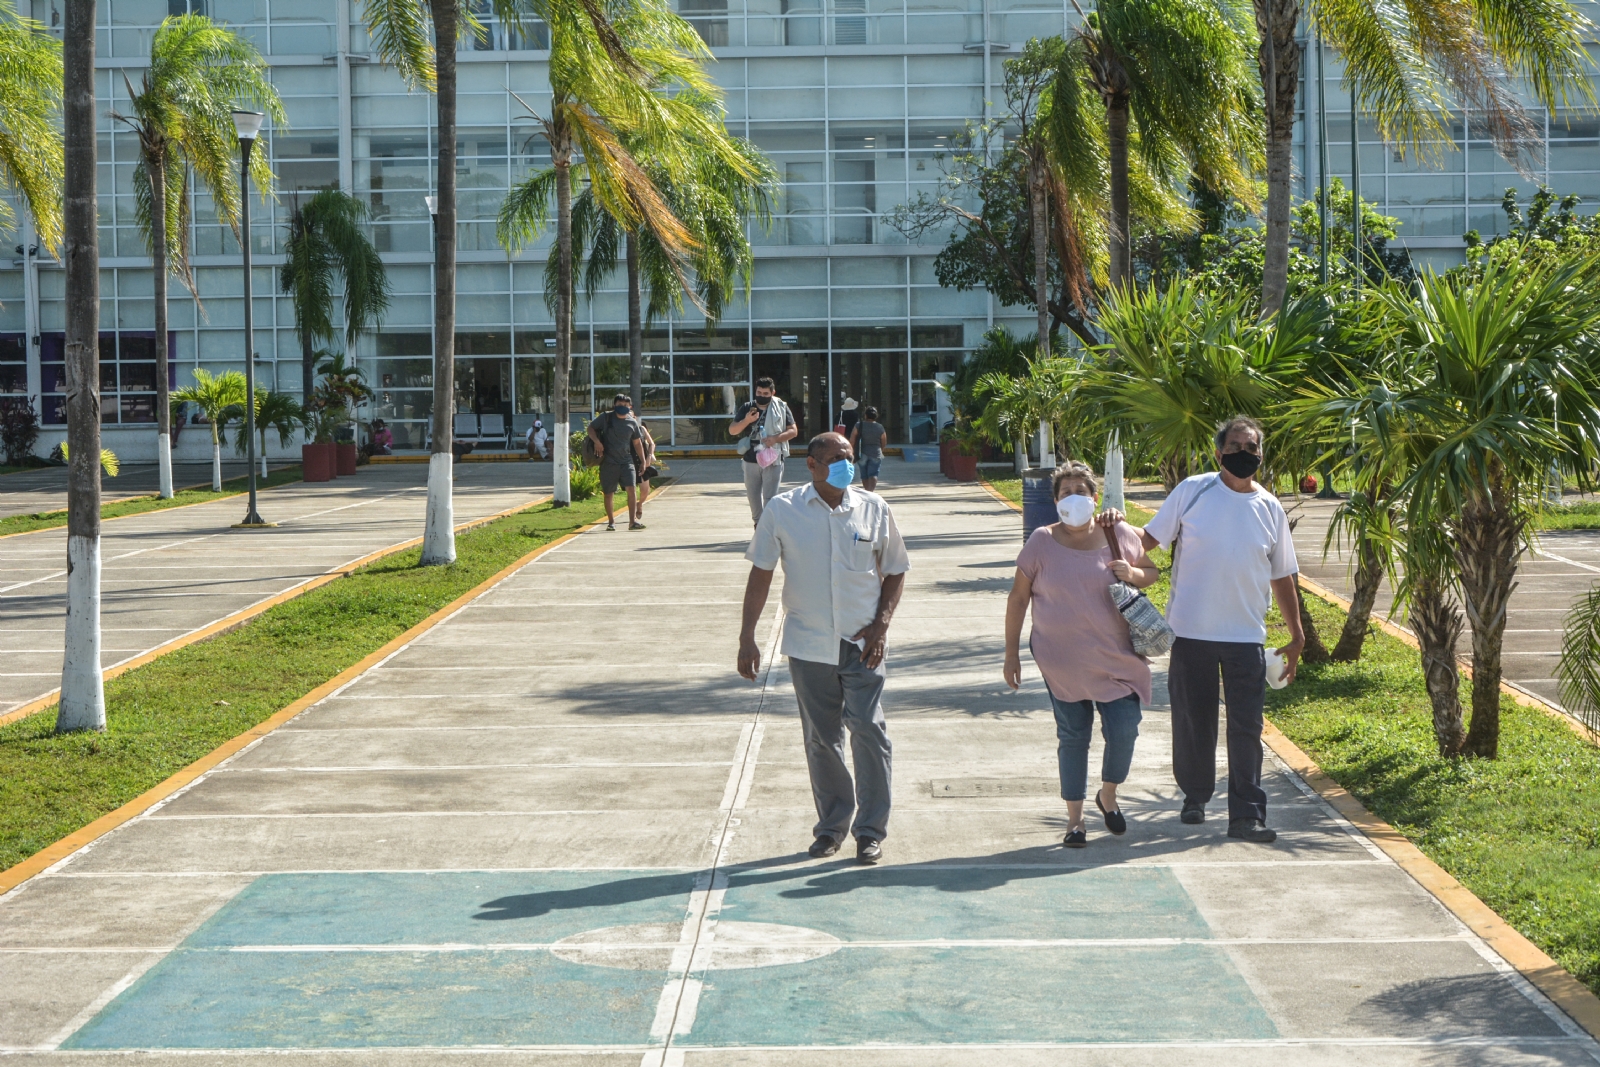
[[232, 622], [1549, 977], [1546, 975], [52, 854]]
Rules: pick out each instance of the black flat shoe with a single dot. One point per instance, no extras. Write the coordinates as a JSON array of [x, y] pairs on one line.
[[1251, 830], [1193, 813], [1114, 820], [822, 847], [1076, 839], [868, 851]]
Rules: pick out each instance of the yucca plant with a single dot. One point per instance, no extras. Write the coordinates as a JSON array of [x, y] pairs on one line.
[[219, 398], [274, 411]]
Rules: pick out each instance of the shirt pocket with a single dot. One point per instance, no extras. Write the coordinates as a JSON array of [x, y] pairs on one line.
[[863, 551]]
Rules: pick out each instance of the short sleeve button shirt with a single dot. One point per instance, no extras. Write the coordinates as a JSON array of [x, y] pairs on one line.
[[834, 562]]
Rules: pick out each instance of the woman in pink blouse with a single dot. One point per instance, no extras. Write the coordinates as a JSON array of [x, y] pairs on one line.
[[1081, 642]]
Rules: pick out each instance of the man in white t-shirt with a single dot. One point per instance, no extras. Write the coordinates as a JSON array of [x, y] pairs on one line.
[[1234, 557]]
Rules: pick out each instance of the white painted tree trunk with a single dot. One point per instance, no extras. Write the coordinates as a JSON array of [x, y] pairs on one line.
[[439, 534], [1113, 496], [1020, 447], [263, 454], [83, 696], [164, 461], [216, 466], [1047, 448], [560, 444]]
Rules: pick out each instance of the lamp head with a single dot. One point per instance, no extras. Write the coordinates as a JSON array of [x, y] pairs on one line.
[[433, 205], [248, 124]]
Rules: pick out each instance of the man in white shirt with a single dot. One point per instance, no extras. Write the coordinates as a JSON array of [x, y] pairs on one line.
[[1234, 556], [844, 565]]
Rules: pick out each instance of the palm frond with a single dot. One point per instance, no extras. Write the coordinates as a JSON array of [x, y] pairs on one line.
[[32, 162]]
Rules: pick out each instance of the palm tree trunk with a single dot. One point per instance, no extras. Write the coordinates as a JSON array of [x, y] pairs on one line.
[[1369, 576], [635, 329], [1487, 539], [1041, 253], [1279, 59], [158, 261], [216, 457], [1436, 621], [562, 430], [83, 702], [439, 536], [308, 368], [1314, 651], [1117, 146]]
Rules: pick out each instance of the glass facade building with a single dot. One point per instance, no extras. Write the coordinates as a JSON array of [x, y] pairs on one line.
[[854, 100]]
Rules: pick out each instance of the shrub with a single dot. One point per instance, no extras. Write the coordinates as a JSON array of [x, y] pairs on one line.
[[585, 482], [19, 429]]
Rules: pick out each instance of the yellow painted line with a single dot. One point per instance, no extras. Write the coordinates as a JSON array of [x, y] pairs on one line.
[[55, 853], [239, 618], [1551, 979], [998, 495], [149, 496]]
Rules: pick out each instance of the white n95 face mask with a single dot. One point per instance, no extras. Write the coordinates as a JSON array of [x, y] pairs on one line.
[[1075, 509]]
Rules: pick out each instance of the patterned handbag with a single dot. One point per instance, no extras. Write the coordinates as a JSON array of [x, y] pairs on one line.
[[1146, 625]]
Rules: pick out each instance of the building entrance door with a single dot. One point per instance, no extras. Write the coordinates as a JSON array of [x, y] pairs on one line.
[[802, 379]]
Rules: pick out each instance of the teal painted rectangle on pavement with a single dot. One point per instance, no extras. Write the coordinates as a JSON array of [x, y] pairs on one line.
[[968, 903], [983, 996], [239, 1000], [455, 907]]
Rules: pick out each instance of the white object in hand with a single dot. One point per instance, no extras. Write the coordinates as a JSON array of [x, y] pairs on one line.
[[1277, 669]]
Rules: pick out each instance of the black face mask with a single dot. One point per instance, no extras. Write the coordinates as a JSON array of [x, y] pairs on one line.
[[1241, 464], [763, 401], [619, 410]]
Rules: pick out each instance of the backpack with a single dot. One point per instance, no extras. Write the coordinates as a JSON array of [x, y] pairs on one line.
[[590, 457]]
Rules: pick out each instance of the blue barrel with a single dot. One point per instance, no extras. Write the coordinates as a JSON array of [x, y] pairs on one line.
[[1038, 500]]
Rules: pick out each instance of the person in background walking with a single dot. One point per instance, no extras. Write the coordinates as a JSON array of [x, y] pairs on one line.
[[762, 424], [618, 441], [1080, 642], [844, 565], [848, 415], [868, 439], [649, 442], [1234, 556]]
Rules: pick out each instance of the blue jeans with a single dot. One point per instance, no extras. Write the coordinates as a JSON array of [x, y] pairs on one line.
[[1119, 725], [871, 467]]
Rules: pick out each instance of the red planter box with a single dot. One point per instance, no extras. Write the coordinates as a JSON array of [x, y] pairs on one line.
[[317, 462], [346, 457], [944, 458], [963, 468]]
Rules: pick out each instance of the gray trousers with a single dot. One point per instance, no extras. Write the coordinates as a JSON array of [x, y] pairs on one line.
[[1192, 683], [833, 698], [761, 484]]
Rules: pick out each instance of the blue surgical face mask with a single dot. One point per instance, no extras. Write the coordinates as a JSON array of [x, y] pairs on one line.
[[841, 472]]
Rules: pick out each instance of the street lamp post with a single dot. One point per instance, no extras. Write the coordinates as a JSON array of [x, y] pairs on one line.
[[248, 125], [432, 203]]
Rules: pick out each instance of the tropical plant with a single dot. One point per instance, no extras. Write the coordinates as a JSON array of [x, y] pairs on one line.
[[1410, 67], [1579, 668], [109, 463], [1492, 380], [182, 115], [334, 399], [327, 243], [713, 200], [30, 132], [274, 411], [1175, 81], [635, 78], [219, 398], [19, 429], [1039, 402], [82, 704]]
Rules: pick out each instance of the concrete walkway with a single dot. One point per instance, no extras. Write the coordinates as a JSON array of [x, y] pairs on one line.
[[45, 488], [167, 573], [558, 829]]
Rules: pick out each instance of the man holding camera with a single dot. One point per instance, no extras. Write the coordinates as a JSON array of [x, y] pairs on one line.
[[764, 427]]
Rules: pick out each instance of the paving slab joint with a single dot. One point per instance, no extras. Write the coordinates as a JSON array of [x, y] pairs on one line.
[[63, 849]]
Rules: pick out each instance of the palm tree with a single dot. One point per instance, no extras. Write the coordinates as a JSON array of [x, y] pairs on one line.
[[82, 704], [30, 135], [218, 399], [1407, 66], [635, 80], [1041, 400], [1179, 71], [274, 411], [326, 242], [713, 202], [182, 115]]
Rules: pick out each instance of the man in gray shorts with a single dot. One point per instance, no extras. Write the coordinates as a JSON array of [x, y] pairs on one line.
[[618, 441], [844, 565], [868, 438]]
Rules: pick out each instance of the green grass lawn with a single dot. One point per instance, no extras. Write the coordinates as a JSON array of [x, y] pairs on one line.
[[167, 714], [1522, 832], [45, 520], [1584, 515]]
